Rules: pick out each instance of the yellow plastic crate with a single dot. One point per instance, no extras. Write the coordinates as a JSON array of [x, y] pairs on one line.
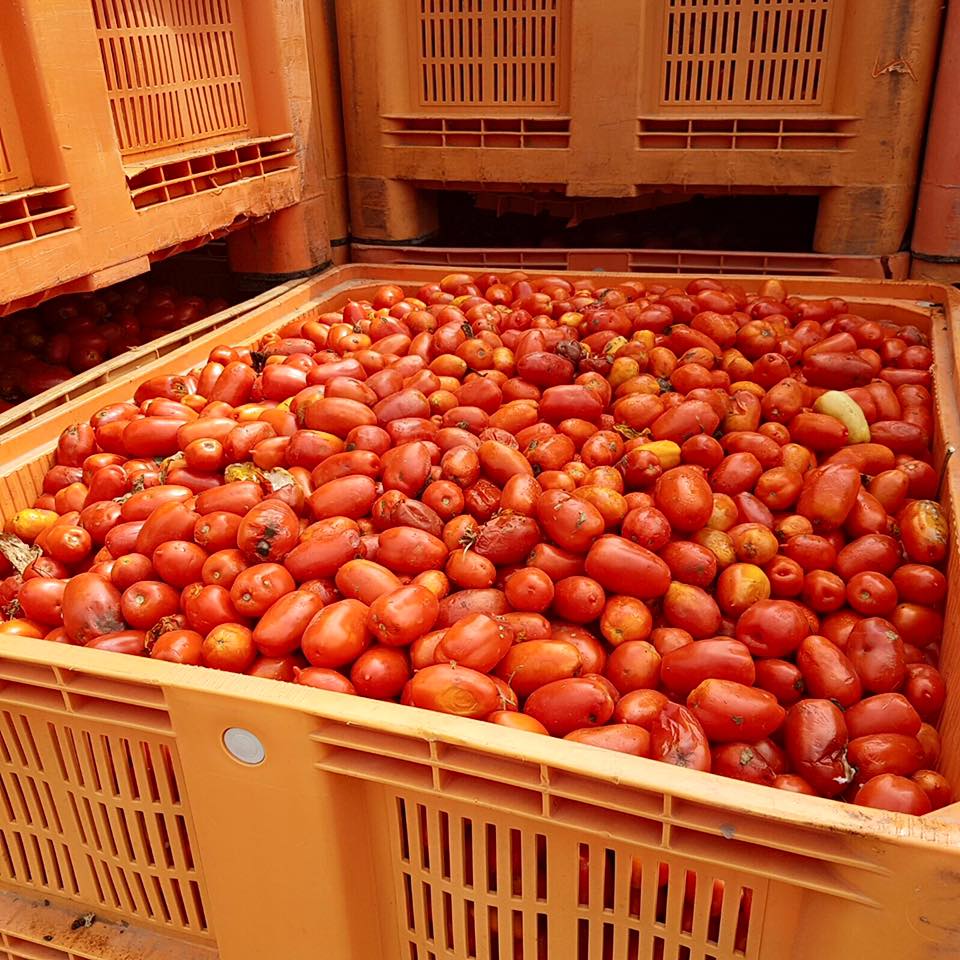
[[351, 829]]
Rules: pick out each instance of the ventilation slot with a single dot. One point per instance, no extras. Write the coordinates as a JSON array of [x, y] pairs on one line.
[[173, 71], [469, 887], [488, 52], [704, 914], [745, 51]]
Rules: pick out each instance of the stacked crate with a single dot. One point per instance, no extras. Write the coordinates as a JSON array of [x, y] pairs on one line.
[[623, 99]]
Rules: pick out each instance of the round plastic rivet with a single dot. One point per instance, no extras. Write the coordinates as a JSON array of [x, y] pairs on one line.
[[244, 746]]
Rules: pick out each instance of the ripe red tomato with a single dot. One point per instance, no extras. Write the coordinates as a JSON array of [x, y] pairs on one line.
[[563, 706], [887, 791], [256, 589], [337, 635], [728, 710], [178, 646], [146, 603], [380, 673]]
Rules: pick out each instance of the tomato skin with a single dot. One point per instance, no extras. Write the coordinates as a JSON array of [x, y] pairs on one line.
[[323, 679], [217, 530], [268, 531], [365, 580], [572, 524], [876, 652], [324, 554], [257, 588], [793, 784], [887, 791], [685, 667], [815, 737], [398, 617], [683, 495], [207, 606], [535, 663], [728, 710], [140, 505], [740, 761], [772, 628], [924, 532], [41, 600], [920, 583], [871, 593], [337, 635], [91, 608], [924, 688], [827, 672], [380, 673], [179, 562], [145, 603], [873, 552], [131, 642], [409, 550], [639, 707], [883, 713], [507, 538], [178, 646], [692, 609], [563, 706], [877, 753], [828, 495], [935, 786], [170, 521], [621, 566], [676, 737], [477, 641], [450, 688], [622, 737], [279, 630], [229, 646]]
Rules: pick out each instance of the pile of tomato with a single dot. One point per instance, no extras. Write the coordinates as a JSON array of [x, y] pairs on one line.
[[691, 524], [44, 347]]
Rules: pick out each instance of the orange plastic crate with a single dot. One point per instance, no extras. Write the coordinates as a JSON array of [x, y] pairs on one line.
[[168, 122], [369, 830], [620, 98]]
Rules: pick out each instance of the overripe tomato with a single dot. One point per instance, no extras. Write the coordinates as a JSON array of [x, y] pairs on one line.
[[676, 737]]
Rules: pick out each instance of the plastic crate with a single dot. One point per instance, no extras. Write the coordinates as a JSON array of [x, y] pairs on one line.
[[126, 365], [169, 123], [197, 814], [894, 267], [620, 98]]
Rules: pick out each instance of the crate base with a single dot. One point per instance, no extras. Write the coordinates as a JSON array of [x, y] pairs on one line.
[[385, 210], [895, 266]]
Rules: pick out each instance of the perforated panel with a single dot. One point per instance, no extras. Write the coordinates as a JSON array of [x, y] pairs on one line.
[[489, 52], [91, 805], [174, 70], [480, 885], [746, 51]]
